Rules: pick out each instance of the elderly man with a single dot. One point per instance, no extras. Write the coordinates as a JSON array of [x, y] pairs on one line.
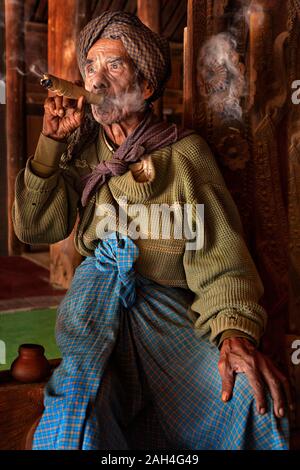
[[158, 341]]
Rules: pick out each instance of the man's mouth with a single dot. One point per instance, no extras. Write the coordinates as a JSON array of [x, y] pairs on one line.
[[106, 107], [103, 110]]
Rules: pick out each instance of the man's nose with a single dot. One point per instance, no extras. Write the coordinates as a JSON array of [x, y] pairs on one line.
[[100, 82]]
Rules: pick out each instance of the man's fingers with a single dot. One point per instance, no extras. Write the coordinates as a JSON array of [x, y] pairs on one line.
[[228, 379], [59, 105], [277, 383], [287, 390], [275, 389], [69, 103], [79, 112], [50, 107], [256, 383], [80, 104]]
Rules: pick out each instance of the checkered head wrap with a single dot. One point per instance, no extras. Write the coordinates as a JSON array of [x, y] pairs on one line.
[[149, 51]]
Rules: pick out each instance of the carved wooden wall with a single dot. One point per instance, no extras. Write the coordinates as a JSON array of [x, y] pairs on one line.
[[257, 145], [293, 140]]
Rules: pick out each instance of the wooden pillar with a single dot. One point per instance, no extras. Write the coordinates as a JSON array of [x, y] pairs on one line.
[[62, 33], [149, 13], [63, 25], [194, 112], [15, 107], [3, 176]]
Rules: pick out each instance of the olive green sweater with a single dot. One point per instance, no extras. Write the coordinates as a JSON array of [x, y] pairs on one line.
[[222, 274]]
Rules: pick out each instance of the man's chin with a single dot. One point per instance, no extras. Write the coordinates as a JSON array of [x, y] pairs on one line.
[[105, 118]]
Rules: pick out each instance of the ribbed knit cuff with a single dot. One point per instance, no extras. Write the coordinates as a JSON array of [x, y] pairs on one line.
[[234, 321], [47, 156], [37, 183], [232, 333]]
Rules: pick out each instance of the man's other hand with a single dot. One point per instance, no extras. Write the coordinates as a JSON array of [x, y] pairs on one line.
[[240, 355]]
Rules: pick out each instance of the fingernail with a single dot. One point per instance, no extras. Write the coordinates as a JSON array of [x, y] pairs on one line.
[[281, 412], [225, 396], [262, 410]]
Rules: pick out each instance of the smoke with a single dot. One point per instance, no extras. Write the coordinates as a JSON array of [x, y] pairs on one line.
[[220, 73], [132, 100], [15, 61], [20, 72], [117, 108], [246, 10], [35, 70], [221, 76]]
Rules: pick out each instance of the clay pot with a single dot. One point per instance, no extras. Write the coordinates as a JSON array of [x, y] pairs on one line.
[[31, 365]]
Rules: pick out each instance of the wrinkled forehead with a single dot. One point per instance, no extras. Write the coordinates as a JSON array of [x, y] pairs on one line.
[[107, 47]]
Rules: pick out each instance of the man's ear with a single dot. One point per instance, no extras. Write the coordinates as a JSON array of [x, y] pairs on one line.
[[147, 89]]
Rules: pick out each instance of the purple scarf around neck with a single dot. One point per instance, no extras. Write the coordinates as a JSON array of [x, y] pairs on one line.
[[147, 137]]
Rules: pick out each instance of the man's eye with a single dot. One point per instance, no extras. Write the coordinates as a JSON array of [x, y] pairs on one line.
[[90, 69], [115, 66]]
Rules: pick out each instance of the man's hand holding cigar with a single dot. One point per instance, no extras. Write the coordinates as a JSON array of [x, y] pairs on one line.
[[62, 117]]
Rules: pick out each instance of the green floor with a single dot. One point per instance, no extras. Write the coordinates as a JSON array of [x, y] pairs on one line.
[[34, 326]]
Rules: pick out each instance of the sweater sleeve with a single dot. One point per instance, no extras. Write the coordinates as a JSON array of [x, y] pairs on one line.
[[45, 207], [221, 272]]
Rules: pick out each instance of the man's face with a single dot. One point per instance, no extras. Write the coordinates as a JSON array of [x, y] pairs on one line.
[[109, 70]]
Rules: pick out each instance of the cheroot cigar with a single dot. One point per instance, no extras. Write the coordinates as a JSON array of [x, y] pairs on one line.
[[68, 89]]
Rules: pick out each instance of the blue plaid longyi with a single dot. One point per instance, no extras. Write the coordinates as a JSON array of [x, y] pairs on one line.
[[135, 376]]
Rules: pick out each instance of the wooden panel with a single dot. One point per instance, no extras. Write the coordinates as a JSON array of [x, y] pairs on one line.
[[3, 186], [97, 7], [195, 34], [15, 113], [3, 180], [149, 13], [36, 42], [173, 17], [29, 9], [173, 95], [40, 14], [63, 27], [100, 7], [62, 33]]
